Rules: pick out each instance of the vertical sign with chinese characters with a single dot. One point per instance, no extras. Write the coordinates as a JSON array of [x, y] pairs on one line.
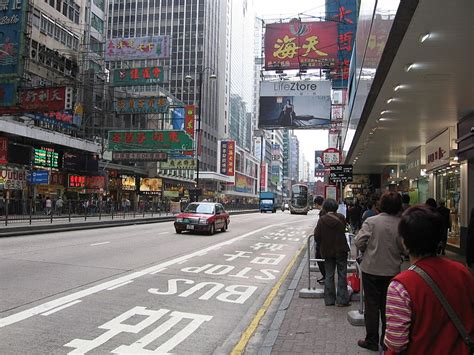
[[3, 150], [228, 158], [344, 13], [263, 177], [189, 111]]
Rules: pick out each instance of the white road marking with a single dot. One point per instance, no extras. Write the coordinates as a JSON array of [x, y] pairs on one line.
[[164, 233], [17, 317], [120, 285], [157, 271], [54, 310], [95, 244]]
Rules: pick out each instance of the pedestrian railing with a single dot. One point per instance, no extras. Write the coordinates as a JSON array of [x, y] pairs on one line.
[[32, 211]]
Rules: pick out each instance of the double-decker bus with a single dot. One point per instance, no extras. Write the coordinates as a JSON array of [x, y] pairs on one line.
[[299, 199]]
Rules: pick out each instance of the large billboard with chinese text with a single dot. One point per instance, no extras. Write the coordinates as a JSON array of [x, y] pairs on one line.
[[138, 76], [147, 104], [156, 47], [227, 161], [295, 104], [298, 44], [148, 140], [46, 99]]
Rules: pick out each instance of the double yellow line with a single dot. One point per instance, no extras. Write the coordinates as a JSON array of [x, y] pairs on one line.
[[239, 348]]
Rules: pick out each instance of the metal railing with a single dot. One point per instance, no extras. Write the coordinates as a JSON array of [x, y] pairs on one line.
[[34, 210]]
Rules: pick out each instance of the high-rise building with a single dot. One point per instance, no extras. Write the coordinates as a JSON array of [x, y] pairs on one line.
[[294, 158]]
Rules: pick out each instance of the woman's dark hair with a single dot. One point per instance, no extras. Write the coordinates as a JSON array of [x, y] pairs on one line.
[[406, 198], [370, 204], [431, 202], [421, 230], [330, 205], [391, 203], [318, 200]]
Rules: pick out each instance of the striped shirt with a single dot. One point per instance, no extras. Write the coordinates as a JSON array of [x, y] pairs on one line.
[[398, 312]]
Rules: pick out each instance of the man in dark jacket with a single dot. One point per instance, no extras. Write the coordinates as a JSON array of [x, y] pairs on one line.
[[446, 215], [318, 204], [330, 236]]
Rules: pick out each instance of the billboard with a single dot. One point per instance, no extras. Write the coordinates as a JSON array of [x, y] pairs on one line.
[[46, 99], [146, 104], [319, 167], [177, 117], [263, 177], [138, 76], [228, 158], [300, 44], [150, 185], [156, 47], [148, 140], [295, 105], [243, 183]]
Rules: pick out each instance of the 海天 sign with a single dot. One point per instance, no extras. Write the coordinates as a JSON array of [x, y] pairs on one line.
[[148, 140]]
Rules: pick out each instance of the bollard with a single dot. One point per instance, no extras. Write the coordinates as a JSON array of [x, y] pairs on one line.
[[311, 292], [356, 318]]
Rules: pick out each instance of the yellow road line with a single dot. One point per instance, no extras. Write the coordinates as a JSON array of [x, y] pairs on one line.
[[239, 348]]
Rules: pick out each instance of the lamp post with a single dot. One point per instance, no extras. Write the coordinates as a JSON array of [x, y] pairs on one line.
[[188, 79]]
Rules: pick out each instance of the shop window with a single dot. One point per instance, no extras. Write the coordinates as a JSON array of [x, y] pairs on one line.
[[448, 187]]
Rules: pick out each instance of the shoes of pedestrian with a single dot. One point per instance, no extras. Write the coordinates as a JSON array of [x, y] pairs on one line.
[[321, 281], [329, 304], [343, 304], [366, 345]]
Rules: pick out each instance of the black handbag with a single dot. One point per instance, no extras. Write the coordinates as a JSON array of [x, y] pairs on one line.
[[444, 302]]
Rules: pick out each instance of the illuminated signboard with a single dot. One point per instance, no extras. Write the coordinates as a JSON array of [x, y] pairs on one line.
[[149, 140], [138, 76], [76, 181], [46, 157], [150, 185], [128, 183]]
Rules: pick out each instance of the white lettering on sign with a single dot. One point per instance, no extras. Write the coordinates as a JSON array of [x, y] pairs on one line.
[[240, 254], [268, 246], [211, 269], [268, 260], [118, 325], [233, 293]]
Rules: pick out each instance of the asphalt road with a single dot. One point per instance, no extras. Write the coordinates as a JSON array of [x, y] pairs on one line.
[[143, 289]]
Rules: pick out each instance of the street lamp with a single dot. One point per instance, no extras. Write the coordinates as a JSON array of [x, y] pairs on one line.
[[188, 79]]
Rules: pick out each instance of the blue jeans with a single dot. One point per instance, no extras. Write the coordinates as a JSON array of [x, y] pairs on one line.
[[330, 296]]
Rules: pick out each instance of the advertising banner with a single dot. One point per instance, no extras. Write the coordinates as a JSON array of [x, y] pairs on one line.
[[64, 119], [179, 164], [148, 140], [76, 181], [437, 151], [138, 76], [12, 24], [263, 177], [319, 167], [297, 44], [228, 158], [39, 177], [189, 115], [139, 156], [8, 94], [331, 156], [3, 150], [151, 185], [128, 183], [146, 104], [243, 183], [95, 182], [45, 99], [12, 179], [177, 118], [295, 104], [45, 157], [156, 47]]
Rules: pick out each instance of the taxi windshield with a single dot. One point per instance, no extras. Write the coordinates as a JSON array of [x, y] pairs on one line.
[[200, 208]]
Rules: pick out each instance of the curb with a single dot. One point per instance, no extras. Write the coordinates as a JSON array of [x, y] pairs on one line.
[[29, 230]]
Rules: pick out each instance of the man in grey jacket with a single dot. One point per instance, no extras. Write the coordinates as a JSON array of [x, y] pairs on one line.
[[382, 246]]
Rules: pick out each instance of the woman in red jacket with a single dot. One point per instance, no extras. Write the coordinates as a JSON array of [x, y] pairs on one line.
[[417, 323]]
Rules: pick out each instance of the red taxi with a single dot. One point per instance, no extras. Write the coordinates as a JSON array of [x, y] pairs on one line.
[[202, 217]]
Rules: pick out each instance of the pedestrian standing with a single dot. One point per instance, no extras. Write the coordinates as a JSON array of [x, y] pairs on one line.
[[382, 246], [431, 202], [405, 202], [48, 204], [318, 204], [370, 212], [330, 236], [417, 322], [59, 205], [446, 217], [355, 216]]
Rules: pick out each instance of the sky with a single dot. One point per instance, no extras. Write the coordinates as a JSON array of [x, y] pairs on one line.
[[310, 140]]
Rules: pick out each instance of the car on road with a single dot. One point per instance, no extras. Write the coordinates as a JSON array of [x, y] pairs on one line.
[[202, 217]]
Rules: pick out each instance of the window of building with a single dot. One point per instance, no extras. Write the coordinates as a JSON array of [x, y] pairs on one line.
[[97, 23]]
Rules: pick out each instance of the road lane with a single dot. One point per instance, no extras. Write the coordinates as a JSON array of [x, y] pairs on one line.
[[197, 294]]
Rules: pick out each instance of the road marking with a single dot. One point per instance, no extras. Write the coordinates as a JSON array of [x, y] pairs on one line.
[[54, 310], [157, 271], [239, 348], [22, 315], [120, 285], [164, 233], [95, 244]]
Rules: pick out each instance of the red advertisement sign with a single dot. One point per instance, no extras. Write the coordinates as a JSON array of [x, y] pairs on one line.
[[76, 181], [95, 182], [228, 158], [263, 177], [299, 44], [43, 99], [3, 150], [189, 111]]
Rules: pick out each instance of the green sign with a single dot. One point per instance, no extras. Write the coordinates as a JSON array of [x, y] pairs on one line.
[[149, 140], [179, 164], [138, 76], [146, 104], [46, 157]]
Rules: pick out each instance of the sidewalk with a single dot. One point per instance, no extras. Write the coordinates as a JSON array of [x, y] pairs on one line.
[[307, 326]]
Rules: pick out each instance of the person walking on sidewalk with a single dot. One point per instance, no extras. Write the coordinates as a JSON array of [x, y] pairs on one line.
[[446, 216], [330, 236], [382, 246], [417, 322], [318, 202]]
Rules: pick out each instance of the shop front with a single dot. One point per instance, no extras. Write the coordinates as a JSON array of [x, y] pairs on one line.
[[445, 179], [418, 188]]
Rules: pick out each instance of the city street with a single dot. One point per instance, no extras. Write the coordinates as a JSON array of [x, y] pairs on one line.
[[143, 289]]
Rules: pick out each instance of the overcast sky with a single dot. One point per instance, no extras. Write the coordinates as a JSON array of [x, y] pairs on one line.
[[310, 140]]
